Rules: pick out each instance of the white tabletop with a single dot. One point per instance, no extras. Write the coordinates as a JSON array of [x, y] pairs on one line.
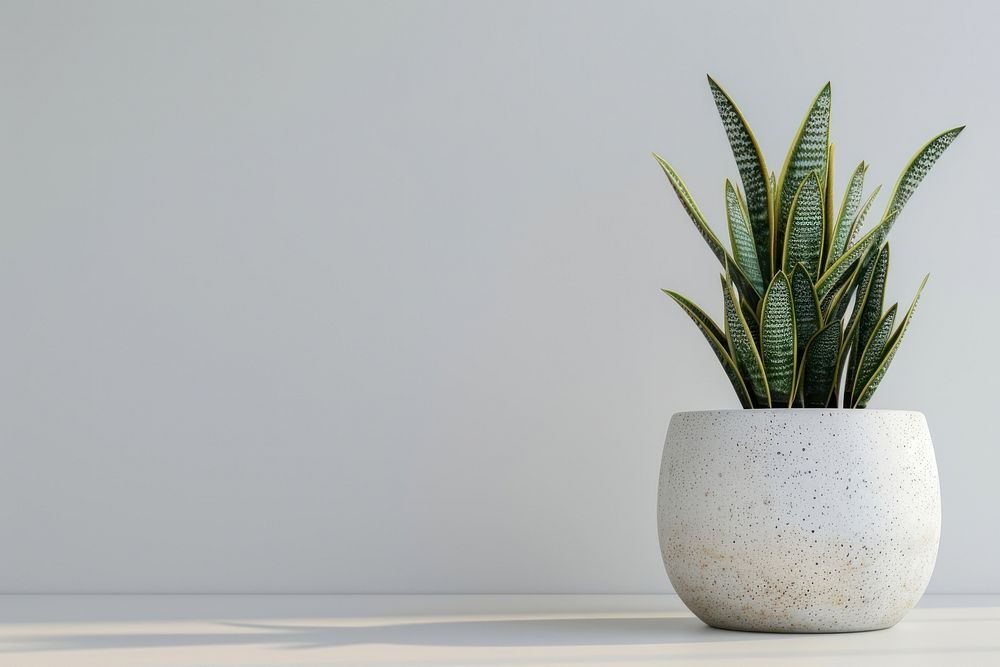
[[494, 630]]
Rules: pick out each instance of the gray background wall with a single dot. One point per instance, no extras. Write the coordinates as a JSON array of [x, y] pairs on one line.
[[364, 297]]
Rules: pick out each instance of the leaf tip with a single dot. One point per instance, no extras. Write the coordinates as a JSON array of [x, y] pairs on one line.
[[663, 163]]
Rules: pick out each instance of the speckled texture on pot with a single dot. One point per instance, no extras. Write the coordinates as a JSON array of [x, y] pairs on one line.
[[799, 520]]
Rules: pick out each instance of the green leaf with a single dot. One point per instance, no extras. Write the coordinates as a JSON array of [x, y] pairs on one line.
[[866, 392], [807, 313], [837, 306], [867, 311], [687, 201], [828, 207], [859, 218], [914, 172], [917, 168], [744, 287], [799, 401], [848, 207], [827, 302], [859, 280], [753, 173], [717, 339], [742, 237], [874, 302], [834, 400], [753, 322], [807, 154], [821, 356], [743, 350], [804, 238], [867, 267], [744, 284], [874, 349], [834, 276], [777, 339]]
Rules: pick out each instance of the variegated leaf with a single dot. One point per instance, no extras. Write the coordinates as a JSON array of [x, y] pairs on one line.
[[687, 201], [859, 218], [827, 302], [717, 340], [753, 322], [858, 282], [807, 154], [848, 207], [804, 235], [834, 304], [798, 399], [744, 288], [871, 308], [845, 346], [820, 363], [742, 349], [834, 276], [865, 270], [868, 309], [874, 349], [839, 305], [865, 393], [828, 207], [855, 344], [807, 313], [742, 237], [917, 168], [777, 340], [753, 173]]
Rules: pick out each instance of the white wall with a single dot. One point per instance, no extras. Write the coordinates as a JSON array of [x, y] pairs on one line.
[[365, 297]]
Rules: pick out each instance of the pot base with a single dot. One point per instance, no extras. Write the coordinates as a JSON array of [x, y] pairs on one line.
[[797, 631]]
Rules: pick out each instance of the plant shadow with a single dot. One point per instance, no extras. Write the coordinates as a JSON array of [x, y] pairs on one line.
[[610, 631]]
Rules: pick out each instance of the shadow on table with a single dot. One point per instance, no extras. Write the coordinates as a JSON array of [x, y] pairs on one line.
[[506, 633]]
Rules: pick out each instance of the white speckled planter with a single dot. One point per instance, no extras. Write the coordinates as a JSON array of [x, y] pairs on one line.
[[799, 520]]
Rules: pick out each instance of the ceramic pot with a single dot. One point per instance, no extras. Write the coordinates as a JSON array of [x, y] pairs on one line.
[[799, 520]]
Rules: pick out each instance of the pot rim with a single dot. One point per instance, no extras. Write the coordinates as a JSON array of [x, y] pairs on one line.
[[813, 411]]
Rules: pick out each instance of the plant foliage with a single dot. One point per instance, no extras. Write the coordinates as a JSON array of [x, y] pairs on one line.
[[805, 322]]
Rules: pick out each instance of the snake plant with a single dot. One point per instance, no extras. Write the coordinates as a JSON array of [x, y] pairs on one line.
[[805, 323]]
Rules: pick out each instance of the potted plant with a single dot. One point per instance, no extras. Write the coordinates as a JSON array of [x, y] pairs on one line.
[[804, 511]]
